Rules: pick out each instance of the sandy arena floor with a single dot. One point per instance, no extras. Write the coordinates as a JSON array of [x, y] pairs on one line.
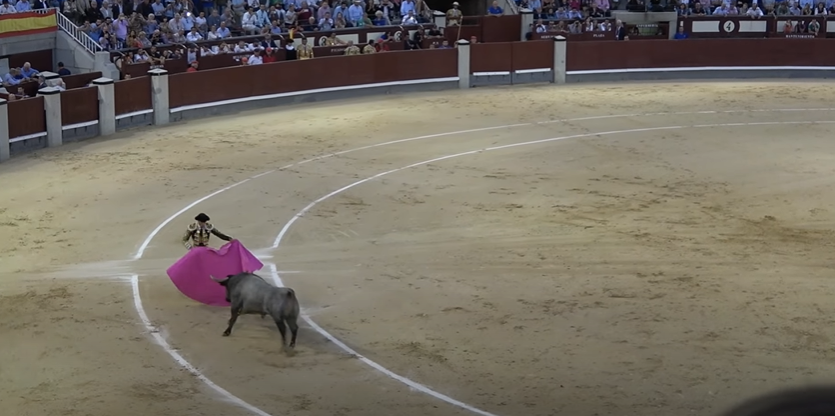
[[672, 256]]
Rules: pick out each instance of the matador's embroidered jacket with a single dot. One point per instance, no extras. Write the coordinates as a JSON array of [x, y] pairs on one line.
[[199, 236]]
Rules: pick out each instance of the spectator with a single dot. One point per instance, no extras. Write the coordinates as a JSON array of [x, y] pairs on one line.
[[355, 13], [493, 10], [151, 25], [680, 34], [814, 27], [268, 56], [620, 31], [324, 11], [23, 6], [379, 19], [212, 34], [341, 8], [453, 15], [365, 21], [340, 22], [62, 70], [202, 23], [326, 23], [268, 42], [290, 16], [207, 51], [213, 20], [304, 13], [262, 17], [410, 19], [6, 8], [193, 67], [12, 78], [754, 12], [28, 72], [408, 6], [194, 35], [93, 14], [255, 59], [223, 32], [158, 7], [176, 24], [276, 16]]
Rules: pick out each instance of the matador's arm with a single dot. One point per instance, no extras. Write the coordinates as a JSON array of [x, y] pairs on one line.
[[187, 237], [221, 235]]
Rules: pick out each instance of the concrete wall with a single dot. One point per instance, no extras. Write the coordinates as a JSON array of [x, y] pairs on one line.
[[22, 44], [74, 56]]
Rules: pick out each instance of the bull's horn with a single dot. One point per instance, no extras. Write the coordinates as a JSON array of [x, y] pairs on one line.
[[213, 278]]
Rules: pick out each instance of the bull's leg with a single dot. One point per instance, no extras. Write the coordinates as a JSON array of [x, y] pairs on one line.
[[294, 330], [236, 311], [283, 330]]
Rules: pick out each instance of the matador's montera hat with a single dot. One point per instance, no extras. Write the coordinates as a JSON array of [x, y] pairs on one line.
[[201, 217]]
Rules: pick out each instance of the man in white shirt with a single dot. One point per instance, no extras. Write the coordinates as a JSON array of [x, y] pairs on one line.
[[194, 35], [754, 11], [410, 18], [255, 59], [6, 8], [176, 24], [248, 22]]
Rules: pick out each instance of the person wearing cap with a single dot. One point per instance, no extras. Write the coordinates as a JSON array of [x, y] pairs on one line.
[[199, 232], [268, 56], [193, 67], [453, 15]]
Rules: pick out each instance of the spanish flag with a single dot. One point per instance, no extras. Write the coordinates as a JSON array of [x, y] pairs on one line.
[[27, 23]]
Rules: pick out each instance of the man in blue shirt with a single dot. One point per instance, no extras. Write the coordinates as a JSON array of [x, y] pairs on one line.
[[680, 34], [63, 71], [23, 6], [27, 71], [11, 79], [494, 9]]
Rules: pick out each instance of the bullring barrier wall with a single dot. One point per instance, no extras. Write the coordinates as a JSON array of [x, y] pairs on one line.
[[55, 116]]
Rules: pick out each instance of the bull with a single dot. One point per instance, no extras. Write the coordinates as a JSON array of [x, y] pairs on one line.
[[250, 294]]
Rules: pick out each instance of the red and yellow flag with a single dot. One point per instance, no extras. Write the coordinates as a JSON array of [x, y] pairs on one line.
[[27, 23]]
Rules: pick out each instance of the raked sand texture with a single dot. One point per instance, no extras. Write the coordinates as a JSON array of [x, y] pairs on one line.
[[672, 256]]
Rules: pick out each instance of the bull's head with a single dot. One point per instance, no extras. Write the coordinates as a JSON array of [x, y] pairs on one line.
[[222, 282]]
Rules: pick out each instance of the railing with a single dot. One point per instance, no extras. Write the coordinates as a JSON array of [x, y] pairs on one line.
[[509, 6], [73, 30]]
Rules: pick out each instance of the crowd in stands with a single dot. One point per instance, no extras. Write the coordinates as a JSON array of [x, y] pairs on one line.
[[20, 6], [144, 23], [11, 83], [750, 8], [757, 9], [567, 10]]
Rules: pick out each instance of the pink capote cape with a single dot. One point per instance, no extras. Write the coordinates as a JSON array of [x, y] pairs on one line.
[[192, 273]]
